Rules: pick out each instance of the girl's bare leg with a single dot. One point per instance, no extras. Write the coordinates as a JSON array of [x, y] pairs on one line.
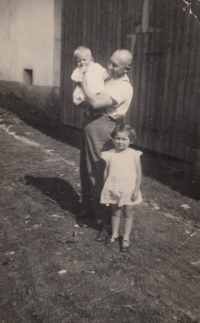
[[128, 221], [115, 220]]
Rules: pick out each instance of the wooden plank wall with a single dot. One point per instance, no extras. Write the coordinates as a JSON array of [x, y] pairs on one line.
[[165, 109], [164, 36], [96, 24], [180, 91]]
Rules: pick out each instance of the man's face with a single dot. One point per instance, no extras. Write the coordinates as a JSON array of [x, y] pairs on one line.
[[116, 66], [83, 59]]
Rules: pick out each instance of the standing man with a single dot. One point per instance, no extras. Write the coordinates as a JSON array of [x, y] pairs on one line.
[[108, 107]]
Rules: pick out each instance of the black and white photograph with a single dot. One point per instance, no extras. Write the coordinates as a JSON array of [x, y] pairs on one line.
[[100, 161]]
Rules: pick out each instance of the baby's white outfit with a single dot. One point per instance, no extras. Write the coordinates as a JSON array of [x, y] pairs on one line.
[[94, 78], [121, 180]]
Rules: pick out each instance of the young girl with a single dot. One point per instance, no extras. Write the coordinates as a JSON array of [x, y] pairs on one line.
[[122, 177]]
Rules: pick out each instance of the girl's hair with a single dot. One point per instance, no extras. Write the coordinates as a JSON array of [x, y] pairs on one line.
[[124, 127], [82, 49]]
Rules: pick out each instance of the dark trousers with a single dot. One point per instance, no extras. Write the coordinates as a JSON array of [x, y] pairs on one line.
[[95, 138]]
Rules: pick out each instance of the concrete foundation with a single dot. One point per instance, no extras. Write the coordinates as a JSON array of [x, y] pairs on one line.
[[45, 98]]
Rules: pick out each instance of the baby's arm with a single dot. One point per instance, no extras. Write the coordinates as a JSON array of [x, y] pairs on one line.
[[138, 179], [77, 75], [82, 70]]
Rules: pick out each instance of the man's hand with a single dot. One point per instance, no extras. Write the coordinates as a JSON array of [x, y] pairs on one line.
[[134, 196]]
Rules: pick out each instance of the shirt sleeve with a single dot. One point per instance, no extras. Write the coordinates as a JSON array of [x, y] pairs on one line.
[[120, 92]]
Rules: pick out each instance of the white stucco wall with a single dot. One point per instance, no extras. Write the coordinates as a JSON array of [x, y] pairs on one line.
[[57, 42], [27, 41]]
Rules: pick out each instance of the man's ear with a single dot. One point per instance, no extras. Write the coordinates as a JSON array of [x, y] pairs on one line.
[[92, 59], [128, 67]]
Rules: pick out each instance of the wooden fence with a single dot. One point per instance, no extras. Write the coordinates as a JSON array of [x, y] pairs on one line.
[[164, 36]]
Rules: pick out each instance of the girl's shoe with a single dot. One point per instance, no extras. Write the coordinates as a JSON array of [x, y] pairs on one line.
[[124, 246], [110, 240]]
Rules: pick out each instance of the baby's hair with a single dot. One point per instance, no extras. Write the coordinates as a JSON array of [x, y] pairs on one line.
[[82, 49], [124, 127]]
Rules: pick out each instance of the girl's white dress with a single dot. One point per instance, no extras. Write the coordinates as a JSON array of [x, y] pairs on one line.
[[120, 182]]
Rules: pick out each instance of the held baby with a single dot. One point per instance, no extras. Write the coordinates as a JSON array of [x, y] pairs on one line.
[[95, 75]]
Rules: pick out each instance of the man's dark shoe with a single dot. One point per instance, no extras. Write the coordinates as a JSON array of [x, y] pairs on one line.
[[102, 235]]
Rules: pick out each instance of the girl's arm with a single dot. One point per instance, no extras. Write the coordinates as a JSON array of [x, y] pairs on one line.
[[100, 101], [138, 180]]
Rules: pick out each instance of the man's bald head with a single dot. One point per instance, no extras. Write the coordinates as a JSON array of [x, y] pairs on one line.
[[119, 63], [125, 57]]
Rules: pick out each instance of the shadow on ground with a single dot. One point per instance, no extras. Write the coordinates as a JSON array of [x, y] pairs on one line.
[[176, 174], [61, 192]]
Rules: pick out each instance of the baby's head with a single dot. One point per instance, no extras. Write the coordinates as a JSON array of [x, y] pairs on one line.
[[123, 135], [83, 56]]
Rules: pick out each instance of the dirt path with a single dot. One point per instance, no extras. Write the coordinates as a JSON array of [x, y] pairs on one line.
[[45, 278]]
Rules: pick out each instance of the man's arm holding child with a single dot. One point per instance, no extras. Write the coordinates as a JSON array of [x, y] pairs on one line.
[[100, 101]]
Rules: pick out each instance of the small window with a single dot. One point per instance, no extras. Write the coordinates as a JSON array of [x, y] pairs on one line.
[[28, 77]]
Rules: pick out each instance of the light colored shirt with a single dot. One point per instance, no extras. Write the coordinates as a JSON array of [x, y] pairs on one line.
[[121, 91], [94, 79]]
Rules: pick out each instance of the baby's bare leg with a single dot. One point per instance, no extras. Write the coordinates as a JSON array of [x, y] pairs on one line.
[[128, 221], [115, 220]]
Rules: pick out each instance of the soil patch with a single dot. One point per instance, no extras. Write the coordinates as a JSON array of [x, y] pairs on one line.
[[46, 277]]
